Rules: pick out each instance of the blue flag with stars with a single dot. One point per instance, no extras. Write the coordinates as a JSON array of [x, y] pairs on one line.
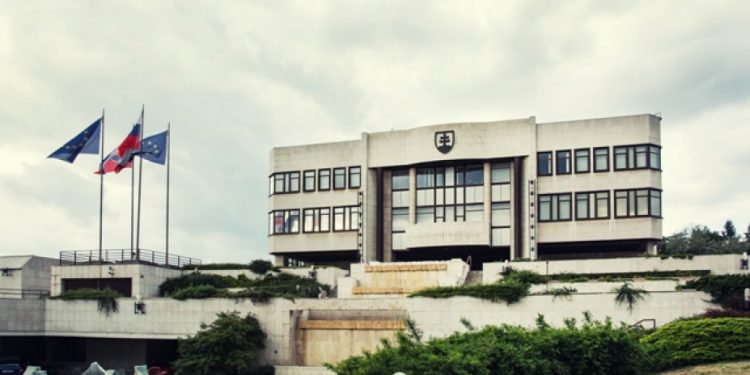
[[87, 142], [154, 148]]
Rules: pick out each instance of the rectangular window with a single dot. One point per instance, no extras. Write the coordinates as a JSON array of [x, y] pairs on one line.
[[355, 177], [474, 175], [601, 159], [637, 157], [316, 220], [399, 221], [563, 162], [400, 180], [582, 160], [554, 207], [324, 179], [637, 203], [544, 163], [308, 183], [345, 218], [592, 205], [500, 173], [285, 182], [339, 178], [283, 221]]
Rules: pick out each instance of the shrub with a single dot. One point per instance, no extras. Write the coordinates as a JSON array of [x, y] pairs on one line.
[[171, 285], [196, 292], [261, 267], [509, 292], [726, 290], [691, 342], [228, 346], [594, 348], [106, 298], [571, 278], [527, 277], [564, 292]]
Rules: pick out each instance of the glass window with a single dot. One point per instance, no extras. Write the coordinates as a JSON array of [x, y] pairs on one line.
[[355, 177], [601, 159], [400, 219], [425, 214], [582, 160], [278, 183], [554, 207], [474, 212], [563, 162], [309, 180], [500, 173], [655, 157], [602, 204], [500, 214], [592, 205], [500, 237], [425, 178], [638, 203], [474, 175], [582, 205], [308, 221], [338, 218], [544, 163], [294, 182], [284, 221], [325, 219], [400, 180], [641, 156], [324, 179], [621, 158], [339, 178], [501, 192]]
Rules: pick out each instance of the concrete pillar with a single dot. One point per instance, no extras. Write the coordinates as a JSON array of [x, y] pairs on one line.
[[413, 195]]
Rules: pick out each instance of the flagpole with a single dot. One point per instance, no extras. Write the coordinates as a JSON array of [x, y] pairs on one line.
[[169, 161], [132, 210], [140, 178], [101, 198]]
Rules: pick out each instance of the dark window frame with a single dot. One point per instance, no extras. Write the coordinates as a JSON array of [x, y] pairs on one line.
[[588, 160], [555, 200], [550, 163], [286, 182], [569, 162], [606, 158], [591, 198], [631, 153], [350, 174], [317, 212], [347, 214], [343, 174], [286, 214], [304, 180], [632, 194], [320, 179]]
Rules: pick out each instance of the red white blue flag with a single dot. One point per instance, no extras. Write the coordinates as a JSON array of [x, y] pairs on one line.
[[122, 157]]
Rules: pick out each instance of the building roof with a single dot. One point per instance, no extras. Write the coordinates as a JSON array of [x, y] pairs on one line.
[[14, 262]]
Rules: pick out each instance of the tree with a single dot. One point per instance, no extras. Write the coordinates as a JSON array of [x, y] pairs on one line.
[[747, 234], [228, 346], [729, 231]]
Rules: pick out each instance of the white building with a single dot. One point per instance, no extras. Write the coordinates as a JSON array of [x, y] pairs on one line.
[[490, 191]]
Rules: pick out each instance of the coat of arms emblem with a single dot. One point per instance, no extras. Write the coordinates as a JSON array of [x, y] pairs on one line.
[[444, 141]]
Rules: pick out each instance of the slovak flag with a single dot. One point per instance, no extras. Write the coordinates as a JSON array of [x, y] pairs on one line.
[[122, 156]]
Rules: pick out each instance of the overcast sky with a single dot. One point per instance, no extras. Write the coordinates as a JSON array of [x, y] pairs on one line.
[[237, 78]]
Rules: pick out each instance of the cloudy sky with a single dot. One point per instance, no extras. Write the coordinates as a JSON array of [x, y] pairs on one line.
[[237, 78]]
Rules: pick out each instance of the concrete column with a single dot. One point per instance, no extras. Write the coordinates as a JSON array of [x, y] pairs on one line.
[[413, 195], [487, 192]]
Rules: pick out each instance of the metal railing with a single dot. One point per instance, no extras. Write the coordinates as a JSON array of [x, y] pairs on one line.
[[126, 256], [23, 293]]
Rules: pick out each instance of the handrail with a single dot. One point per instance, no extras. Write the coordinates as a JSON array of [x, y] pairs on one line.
[[639, 323], [125, 256]]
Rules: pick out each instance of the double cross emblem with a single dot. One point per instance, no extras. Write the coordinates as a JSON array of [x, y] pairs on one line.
[[444, 141]]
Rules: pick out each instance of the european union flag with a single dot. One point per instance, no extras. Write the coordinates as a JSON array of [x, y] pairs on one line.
[[154, 148], [87, 142]]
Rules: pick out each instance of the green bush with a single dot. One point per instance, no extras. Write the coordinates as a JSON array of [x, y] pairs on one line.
[[171, 285], [697, 341], [526, 277], [510, 292], [570, 278], [197, 292], [726, 290], [595, 348], [260, 266]]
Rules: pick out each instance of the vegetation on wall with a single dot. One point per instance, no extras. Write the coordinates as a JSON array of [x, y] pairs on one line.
[[512, 288], [256, 266], [106, 298], [725, 290], [592, 348], [627, 294], [228, 346], [197, 286]]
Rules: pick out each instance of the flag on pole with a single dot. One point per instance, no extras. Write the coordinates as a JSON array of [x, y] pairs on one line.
[[122, 157], [87, 142], [154, 148]]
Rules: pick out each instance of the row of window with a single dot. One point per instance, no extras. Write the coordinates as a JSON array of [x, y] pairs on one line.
[[314, 220], [289, 182], [582, 160], [594, 205]]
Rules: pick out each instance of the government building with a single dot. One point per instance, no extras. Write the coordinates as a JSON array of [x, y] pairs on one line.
[[488, 191]]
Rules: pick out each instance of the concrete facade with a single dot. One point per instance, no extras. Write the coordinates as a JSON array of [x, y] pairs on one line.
[[494, 195], [25, 276], [144, 279]]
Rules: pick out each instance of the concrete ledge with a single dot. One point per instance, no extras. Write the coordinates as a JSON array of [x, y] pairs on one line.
[[362, 290], [375, 325], [406, 267]]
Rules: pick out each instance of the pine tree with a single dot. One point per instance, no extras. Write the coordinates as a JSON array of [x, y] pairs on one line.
[[729, 231]]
